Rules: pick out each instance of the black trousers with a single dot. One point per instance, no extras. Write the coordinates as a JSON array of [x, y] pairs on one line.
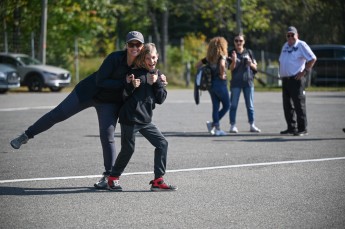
[[107, 114], [294, 103], [153, 135]]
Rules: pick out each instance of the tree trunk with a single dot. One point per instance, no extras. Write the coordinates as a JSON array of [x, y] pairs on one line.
[[165, 22]]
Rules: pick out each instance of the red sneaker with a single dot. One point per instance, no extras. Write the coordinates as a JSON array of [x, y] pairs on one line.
[[159, 185], [114, 184]]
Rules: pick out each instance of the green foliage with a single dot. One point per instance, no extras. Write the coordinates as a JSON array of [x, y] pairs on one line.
[[195, 46], [87, 21], [192, 50], [67, 21], [217, 14], [255, 16], [87, 66], [100, 26], [176, 68]]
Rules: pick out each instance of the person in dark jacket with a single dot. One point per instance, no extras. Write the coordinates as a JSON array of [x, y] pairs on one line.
[[144, 88], [243, 65], [102, 90]]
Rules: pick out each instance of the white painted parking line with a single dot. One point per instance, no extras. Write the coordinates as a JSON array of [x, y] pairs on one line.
[[51, 107], [26, 108], [180, 170]]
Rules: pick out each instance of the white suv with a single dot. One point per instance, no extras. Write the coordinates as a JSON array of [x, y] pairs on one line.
[[35, 75]]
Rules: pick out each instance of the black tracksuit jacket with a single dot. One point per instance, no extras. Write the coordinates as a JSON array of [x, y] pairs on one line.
[[140, 102]]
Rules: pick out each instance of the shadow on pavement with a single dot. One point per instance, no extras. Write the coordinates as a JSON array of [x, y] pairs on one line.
[[278, 136], [18, 191], [292, 139]]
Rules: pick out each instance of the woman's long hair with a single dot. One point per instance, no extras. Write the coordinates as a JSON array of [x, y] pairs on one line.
[[217, 47]]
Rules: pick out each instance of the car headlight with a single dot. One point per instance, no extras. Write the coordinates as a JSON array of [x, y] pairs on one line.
[[2, 75], [51, 75]]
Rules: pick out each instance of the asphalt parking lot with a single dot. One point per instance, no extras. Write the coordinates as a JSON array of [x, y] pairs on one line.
[[243, 180]]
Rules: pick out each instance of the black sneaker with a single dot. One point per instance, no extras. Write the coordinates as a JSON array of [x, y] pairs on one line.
[[17, 142], [301, 133], [159, 185], [288, 131], [114, 184], [103, 182]]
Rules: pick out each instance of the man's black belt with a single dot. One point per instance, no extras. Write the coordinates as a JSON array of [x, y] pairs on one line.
[[289, 77]]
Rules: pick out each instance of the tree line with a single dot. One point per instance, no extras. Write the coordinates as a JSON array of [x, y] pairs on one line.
[[180, 28]]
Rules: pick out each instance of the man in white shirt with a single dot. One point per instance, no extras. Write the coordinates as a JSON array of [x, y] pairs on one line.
[[295, 61]]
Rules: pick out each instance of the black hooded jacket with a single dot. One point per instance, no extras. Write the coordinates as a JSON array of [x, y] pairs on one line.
[[105, 85], [140, 101]]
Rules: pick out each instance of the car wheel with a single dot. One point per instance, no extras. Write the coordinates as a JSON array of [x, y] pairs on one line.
[[313, 76], [55, 89], [35, 83], [3, 91]]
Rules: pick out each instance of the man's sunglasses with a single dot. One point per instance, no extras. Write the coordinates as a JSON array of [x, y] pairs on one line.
[[238, 41], [132, 45], [290, 35]]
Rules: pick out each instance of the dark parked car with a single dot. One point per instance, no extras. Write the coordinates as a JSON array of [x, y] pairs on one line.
[[329, 69], [9, 78], [34, 74]]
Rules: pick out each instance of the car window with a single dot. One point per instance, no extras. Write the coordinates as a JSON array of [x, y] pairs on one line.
[[324, 53], [8, 60], [340, 53], [28, 60]]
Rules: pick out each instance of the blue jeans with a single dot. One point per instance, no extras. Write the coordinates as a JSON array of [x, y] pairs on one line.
[[248, 93], [219, 94]]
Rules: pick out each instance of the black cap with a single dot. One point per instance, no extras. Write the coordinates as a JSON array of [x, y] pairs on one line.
[[292, 29], [134, 35]]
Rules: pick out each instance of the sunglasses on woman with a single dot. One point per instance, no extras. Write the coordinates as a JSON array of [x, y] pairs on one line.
[[134, 44]]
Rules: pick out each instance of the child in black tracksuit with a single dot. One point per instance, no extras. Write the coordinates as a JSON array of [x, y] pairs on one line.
[[145, 87]]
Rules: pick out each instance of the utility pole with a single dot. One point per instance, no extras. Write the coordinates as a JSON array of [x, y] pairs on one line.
[[43, 38], [16, 34], [5, 36]]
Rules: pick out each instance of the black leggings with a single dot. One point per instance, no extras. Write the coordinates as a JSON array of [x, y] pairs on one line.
[[107, 118]]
